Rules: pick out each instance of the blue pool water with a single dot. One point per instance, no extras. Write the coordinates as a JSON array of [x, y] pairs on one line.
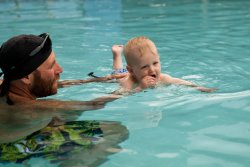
[[203, 41]]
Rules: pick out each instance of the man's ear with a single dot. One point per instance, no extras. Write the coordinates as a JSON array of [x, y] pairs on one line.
[[26, 79], [130, 70]]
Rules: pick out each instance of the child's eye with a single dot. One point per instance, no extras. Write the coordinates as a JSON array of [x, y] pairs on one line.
[[155, 63], [143, 67]]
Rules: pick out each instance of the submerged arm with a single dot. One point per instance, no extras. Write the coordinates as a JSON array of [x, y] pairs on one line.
[[59, 105]]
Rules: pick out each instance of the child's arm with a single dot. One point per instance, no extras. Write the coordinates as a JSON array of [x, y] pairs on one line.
[[167, 79]]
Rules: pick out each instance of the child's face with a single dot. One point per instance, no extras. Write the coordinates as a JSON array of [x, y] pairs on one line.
[[146, 65]]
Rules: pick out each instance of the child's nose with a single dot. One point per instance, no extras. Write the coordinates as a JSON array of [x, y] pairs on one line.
[[151, 69]]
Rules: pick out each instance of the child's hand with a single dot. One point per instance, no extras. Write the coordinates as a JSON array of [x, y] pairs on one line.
[[147, 82], [203, 89], [117, 49]]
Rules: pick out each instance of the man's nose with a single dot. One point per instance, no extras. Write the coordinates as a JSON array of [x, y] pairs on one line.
[[58, 68]]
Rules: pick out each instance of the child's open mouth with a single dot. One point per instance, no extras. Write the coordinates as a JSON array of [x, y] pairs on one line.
[[154, 76]]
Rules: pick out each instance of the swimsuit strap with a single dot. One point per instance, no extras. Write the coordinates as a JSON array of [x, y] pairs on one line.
[[120, 71]]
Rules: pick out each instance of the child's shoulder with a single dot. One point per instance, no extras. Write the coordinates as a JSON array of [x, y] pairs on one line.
[[127, 82], [165, 78]]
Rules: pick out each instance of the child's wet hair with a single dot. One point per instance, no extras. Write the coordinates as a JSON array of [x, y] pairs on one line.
[[136, 47]]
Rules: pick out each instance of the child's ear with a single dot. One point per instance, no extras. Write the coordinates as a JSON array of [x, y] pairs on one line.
[[130, 70]]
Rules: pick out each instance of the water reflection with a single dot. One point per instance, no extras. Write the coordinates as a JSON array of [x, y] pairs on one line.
[[26, 133]]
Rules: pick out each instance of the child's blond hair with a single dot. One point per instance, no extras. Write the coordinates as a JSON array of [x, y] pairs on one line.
[[137, 46]]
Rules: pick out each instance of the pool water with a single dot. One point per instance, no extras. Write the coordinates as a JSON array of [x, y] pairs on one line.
[[206, 42]]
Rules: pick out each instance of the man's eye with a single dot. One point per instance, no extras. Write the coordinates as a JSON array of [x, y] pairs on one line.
[[52, 65]]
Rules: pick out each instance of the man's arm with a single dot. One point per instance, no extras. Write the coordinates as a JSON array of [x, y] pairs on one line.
[[60, 105], [107, 78]]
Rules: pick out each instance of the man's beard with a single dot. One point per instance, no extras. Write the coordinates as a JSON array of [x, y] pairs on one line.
[[43, 87]]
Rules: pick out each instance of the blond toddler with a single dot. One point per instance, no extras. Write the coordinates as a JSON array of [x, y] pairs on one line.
[[143, 67]]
